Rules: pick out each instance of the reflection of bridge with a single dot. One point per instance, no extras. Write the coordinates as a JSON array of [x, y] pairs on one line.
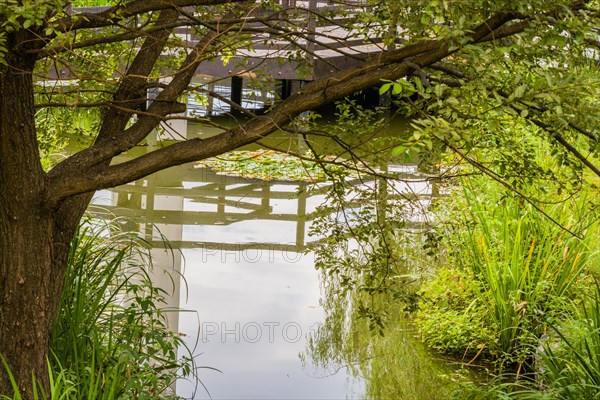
[[187, 197], [191, 197], [233, 215], [226, 215]]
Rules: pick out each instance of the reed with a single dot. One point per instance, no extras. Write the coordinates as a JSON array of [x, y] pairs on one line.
[[520, 270], [569, 367], [526, 263]]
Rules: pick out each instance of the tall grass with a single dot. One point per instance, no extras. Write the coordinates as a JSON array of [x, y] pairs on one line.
[[60, 387], [526, 264], [569, 362], [515, 270], [110, 339], [578, 375]]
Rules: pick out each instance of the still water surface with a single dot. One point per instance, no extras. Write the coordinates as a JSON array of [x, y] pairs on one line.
[[252, 295]]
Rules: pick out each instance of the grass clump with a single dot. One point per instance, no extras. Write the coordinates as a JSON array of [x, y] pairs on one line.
[[510, 272], [111, 332], [568, 364]]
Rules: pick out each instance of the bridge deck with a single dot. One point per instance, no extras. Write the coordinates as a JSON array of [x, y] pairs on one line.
[[333, 46]]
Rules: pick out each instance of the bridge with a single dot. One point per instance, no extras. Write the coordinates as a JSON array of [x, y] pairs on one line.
[[319, 47]]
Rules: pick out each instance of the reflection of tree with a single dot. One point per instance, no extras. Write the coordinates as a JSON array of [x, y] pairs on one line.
[[371, 258], [393, 363], [393, 366]]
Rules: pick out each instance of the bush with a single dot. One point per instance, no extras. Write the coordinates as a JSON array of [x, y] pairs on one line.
[[451, 317], [111, 333], [510, 271]]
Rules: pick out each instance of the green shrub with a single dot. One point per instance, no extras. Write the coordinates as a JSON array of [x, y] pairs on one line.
[[451, 316], [111, 333], [521, 268], [111, 340]]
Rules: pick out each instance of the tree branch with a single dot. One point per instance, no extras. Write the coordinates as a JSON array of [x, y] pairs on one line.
[[133, 34], [568, 146], [312, 96], [126, 10], [116, 140]]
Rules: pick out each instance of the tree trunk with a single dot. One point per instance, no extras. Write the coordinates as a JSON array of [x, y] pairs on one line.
[[34, 239], [34, 243]]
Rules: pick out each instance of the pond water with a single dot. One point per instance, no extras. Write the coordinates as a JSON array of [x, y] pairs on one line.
[[252, 295], [238, 267]]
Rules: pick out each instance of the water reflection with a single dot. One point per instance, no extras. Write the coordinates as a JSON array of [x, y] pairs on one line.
[[254, 297]]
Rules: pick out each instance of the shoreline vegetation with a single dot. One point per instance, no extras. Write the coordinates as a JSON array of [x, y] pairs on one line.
[[111, 339], [499, 292]]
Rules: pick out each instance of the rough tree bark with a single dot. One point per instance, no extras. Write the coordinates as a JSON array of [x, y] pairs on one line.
[[32, 256]]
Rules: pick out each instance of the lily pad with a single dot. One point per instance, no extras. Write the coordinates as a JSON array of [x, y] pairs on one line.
[[266, 165]]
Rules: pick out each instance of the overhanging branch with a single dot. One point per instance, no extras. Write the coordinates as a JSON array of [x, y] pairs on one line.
[[312, 96], [127, 10], [117, 140]]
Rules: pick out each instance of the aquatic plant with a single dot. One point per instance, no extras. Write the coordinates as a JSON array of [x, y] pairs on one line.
[[523, 264], [267, 165]]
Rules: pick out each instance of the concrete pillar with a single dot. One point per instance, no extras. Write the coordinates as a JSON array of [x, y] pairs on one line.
[[210, 101], [221, 190], [265, 199], [173, 129], [166, 270], [382, 195], [301, 224]]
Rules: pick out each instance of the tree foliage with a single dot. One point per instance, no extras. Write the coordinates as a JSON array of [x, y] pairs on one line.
[[468, 72]]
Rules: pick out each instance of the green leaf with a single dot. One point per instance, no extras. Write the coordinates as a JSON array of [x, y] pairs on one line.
[[384, 88], [519, 91], [399, 150]]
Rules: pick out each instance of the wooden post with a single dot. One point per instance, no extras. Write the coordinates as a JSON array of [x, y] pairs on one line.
[[237, 86], [283, 88]]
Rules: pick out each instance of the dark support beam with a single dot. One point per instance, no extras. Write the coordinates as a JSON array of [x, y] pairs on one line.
[[237, 85], [284, 88], [385, 100], [295, 86]]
